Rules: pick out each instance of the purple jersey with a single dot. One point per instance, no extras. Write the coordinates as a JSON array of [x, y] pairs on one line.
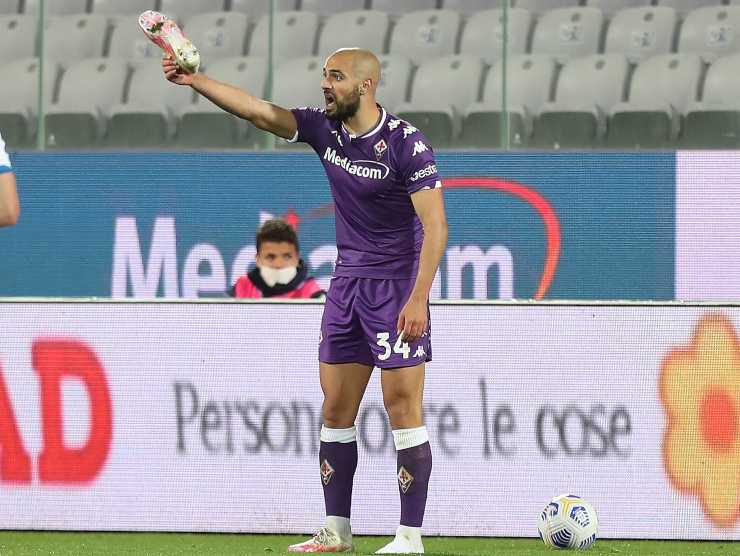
[[372, 178]]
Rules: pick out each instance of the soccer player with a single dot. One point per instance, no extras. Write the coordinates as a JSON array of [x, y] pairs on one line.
[[280, 271], [391, 233], [10, 208]]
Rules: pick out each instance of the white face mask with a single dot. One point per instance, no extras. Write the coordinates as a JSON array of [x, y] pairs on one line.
[[273, 276]]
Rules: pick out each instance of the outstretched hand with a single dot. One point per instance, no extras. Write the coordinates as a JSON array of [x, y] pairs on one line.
[[175, 73]]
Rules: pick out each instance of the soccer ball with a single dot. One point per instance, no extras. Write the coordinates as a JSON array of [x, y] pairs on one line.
[[568, 522]]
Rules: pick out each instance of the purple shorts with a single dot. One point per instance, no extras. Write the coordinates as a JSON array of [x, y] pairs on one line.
[[359, 324]]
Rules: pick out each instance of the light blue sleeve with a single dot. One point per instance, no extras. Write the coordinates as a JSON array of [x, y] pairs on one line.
[[5, 165]]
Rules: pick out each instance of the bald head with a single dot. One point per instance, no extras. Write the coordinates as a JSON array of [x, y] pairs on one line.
[[350, 80], [362, 64]]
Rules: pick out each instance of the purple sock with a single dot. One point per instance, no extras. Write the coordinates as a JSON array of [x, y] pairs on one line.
[[338, 461], [414, 469]]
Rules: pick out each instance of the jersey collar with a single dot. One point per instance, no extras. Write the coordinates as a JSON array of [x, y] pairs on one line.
[[370, 133]]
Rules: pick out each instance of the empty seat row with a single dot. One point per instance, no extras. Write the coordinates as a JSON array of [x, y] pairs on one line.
[[122, 104], [186, 8], [597, 101], [564, 33], [590, 100], [183, 8], [325, 8], [420, 35]]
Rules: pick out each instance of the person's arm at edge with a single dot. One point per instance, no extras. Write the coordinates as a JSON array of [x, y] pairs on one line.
[[429, 206], [10, 208], [263, 114]]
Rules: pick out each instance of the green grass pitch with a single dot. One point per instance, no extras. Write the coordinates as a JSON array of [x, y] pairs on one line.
[[154, 544]]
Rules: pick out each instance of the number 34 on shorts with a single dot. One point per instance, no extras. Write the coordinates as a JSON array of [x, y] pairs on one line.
[[400, 347]]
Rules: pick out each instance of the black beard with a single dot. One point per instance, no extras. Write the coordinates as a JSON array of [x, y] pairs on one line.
[[345, 110]]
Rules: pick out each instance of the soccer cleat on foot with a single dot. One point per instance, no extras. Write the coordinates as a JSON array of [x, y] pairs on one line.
[[407, 541], [166, 34], [325, 540]]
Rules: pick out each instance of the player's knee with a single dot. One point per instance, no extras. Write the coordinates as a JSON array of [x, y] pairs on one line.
[[337, 415], [401, 410]]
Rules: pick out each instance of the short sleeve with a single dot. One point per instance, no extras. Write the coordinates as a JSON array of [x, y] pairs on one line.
[[417, 163], [309, 120], [5, 165]]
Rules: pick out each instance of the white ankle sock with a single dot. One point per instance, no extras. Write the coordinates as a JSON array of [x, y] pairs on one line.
[[340, 525], [410, 438], [411, 533], [345, 436]]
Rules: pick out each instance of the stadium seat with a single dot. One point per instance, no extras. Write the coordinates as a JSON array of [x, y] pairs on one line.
[[147, 118], [9, 7], [298, 83], [714, 123], [327, 8], [185, 9], [711, 32], [662, 89], [295, 36], [122, 7], [441, 91], [611, 7], [539, 6], [17, 37], [218, 34], [205, 125], [19, 98], [586, 91], [72, 38], [426, 35], [482, 35], [56, 7], [395, 8], [364, 29], [395, 72], [529, 83], [640, 33], [568, 33], [468, 7], [255, 9], [685, 6], [128, 42], [87, 90]]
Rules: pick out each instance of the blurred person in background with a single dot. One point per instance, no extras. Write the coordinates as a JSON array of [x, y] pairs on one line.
[[280, 271], [10, 208]]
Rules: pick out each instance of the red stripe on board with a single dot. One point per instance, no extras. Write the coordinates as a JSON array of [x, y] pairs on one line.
[[534, 199]]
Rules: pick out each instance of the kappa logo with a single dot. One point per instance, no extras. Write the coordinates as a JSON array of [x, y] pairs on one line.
[[380, 147], [327, 472], [409, 130], [404, 479], [420, 352], [419, 147], [393, 124]]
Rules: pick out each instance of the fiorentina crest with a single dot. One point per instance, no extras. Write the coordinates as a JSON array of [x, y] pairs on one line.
[[380, 147], [327, 472], [404, 479]]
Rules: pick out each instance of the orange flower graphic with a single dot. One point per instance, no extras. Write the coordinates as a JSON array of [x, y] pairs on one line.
[[700, 390]]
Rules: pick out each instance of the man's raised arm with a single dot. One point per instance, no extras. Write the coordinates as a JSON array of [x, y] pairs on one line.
[[263, 114]]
